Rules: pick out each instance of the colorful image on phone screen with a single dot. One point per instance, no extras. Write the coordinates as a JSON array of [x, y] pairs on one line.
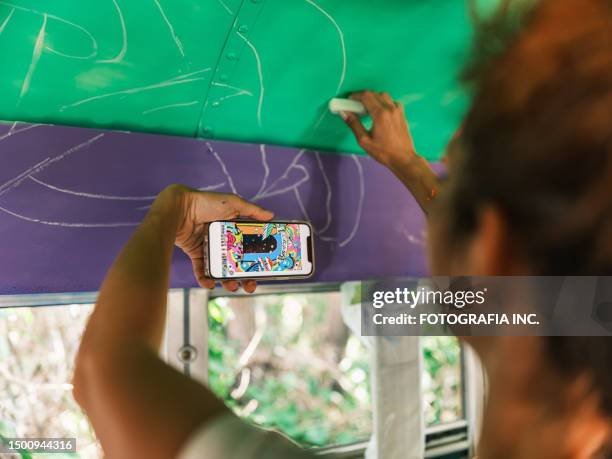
[[257, 247]]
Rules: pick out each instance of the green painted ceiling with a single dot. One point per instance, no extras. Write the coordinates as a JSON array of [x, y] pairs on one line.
[[242, 70]]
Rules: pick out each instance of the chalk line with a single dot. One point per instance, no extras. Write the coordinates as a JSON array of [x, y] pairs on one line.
[[320, 120], [410, 98], [282, 177], [449, 97], [328, 211], [342, 44], [236, 94], [13, 131], [264, 162], [239, 91], [119, 57], [227, 8], [165, 107], [92, 195], [202, 188], [176, 39], [14, 182], [225, 85], [171, 82], [298, 197], [57, 18], [190, 74], [223, 167], [360, 206], [411, 238], [260, 73], [38, 47], [212, 187], [5, 22], [297, 184], [68, 224], [74, 149]]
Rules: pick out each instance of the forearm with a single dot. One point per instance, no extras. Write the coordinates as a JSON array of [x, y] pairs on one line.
[[131, 306], [418, 176]]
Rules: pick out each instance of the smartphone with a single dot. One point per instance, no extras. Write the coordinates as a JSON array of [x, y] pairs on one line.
[[253, 250]]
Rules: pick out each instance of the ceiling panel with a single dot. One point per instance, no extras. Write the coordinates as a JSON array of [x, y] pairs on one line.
[[249, 71]]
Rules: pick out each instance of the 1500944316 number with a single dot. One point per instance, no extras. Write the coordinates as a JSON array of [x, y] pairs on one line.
[[38, 445]]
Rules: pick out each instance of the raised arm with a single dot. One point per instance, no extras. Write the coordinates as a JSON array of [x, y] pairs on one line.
[[138, 405], [389, 142]]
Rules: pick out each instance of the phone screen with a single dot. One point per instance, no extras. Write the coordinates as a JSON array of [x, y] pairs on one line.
[[252, 249]]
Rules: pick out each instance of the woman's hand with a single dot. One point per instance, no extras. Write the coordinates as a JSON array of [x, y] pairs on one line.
[[388, 141], [196, 210]]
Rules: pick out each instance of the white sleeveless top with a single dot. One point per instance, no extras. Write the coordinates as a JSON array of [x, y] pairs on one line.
[[228, 437]]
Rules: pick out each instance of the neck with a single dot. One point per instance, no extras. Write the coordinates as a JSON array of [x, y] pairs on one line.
[[532, 412]]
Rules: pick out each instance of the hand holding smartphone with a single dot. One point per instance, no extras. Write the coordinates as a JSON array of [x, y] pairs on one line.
[[255, 250]]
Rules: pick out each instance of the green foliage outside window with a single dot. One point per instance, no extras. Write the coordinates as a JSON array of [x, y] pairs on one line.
[[314, 388], [442, 379]]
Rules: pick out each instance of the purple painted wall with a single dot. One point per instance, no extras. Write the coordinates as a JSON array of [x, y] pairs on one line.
[[70, 197]]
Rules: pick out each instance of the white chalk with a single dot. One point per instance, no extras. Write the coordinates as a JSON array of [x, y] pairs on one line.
[[337, 105]]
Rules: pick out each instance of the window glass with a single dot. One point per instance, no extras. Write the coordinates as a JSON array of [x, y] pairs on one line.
[[37, 351], [442, 380], [289, 362]]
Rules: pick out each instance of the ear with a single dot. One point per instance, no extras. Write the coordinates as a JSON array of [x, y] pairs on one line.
[[491, 250]]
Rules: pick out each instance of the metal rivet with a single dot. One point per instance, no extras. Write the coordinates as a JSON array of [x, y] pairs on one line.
[[223, 77], [208, 130], [216, 103], [187, 354], [243, 28], [231, 56]]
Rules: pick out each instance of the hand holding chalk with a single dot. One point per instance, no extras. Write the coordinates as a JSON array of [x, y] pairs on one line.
[[337, 106], [388, 140]]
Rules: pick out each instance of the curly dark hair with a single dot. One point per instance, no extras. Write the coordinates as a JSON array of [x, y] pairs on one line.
[[537, 143]]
